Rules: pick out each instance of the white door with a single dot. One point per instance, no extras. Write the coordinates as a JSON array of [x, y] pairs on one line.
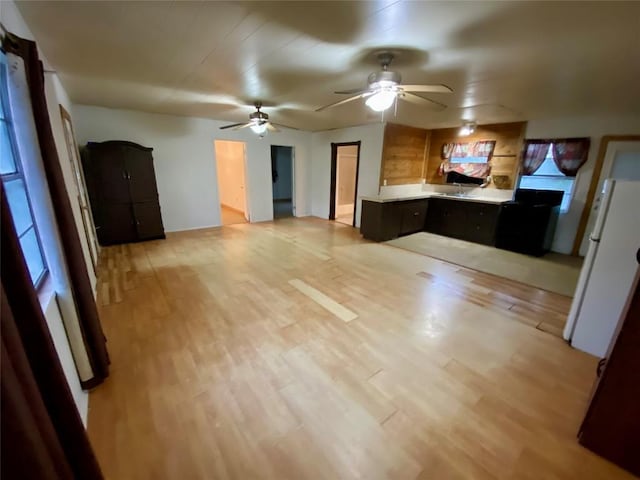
[[621, 162]]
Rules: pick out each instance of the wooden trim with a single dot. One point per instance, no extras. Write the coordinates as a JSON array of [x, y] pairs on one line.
[[332, 187], [78, 176], [384, 142], [595, 179], [355, 195]]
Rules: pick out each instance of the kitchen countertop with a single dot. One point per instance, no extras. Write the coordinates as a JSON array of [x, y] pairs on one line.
[[449, 196]]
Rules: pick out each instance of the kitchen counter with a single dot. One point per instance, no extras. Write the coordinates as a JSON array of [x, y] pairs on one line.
[[446, 196]]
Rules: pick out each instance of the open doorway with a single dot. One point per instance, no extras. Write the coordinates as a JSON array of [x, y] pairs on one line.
[[618, 158], [232, 192], [345, 163], [282, 177]]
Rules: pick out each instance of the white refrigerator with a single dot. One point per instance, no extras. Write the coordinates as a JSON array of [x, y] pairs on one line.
[[610, 269]]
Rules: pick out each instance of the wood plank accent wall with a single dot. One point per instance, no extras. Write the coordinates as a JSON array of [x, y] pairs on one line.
[[509, 139], [403, 154]]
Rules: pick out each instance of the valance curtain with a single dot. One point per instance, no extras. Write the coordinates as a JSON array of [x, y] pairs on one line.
[[569, 155], [92, 341], [42, 434], [472, 159], [534, 156]]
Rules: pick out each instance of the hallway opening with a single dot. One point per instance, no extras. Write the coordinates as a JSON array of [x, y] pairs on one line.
[[282, 177]]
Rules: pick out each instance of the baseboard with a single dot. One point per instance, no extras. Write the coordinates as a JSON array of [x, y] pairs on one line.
[[232, 208], [193, 228]]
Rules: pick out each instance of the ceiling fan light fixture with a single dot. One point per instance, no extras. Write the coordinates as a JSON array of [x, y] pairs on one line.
[[259, 128], [467, 129], [380, 101]]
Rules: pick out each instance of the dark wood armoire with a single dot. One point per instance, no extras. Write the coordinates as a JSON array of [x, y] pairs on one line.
[[122, 190]]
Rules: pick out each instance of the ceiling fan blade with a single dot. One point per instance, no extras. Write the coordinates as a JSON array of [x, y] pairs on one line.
[[352, 91], [426, 88], [417, 100], [346, 100], [271, 127], [233, 125]]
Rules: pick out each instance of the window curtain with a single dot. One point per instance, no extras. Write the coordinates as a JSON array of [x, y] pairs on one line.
[[90, 342], [478, 154], [42, 434], [570, 154], [534, 155]]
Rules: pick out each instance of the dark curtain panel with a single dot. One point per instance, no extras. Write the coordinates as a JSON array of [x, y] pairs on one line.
[[42, 433], [534, 154], [570, 154], [93, 335]]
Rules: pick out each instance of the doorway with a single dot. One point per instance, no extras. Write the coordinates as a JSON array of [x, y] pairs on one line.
[[618, 158], [345, 165], [282, 178], [232, 192]]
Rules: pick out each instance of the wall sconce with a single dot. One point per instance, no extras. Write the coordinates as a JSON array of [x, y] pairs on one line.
[[467, 129]]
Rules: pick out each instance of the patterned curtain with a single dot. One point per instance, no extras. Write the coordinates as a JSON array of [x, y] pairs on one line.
[[470, 159], [534, 155], [570, 154]]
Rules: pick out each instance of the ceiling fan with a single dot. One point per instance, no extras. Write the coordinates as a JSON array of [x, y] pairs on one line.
[[258, 122], [384, 88]]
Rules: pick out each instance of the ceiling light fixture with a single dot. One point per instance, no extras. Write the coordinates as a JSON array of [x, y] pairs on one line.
[[259, 128], [380, 101], [467, 129]]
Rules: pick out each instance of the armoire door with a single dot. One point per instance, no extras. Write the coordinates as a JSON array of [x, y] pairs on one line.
[[117, 224], [109, 166], [141, 175], [148, 220]]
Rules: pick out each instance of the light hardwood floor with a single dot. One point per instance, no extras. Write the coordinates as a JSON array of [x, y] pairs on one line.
[[296, 350]]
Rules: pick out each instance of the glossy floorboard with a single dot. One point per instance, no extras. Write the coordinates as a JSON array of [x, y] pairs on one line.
[[225, 365]]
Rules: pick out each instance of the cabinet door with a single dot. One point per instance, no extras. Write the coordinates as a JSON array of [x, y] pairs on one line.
[[141, 175], [148, 220], [435, 216], [481, 223], [413, 216], [454, 219], [115, 224], [109, 167]]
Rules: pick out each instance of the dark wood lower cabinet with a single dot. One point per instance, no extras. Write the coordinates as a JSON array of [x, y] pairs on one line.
[[611, 427], [383, 221], [466, 220]]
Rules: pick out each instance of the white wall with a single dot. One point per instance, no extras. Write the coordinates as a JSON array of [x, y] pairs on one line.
[[371, 137], [183, 152], [595, 128], [230, 170], [13, 21]]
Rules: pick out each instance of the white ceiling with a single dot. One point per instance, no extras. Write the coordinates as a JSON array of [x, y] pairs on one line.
[[516, 60]]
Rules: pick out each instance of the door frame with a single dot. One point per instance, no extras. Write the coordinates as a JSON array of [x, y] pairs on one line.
[[86, 215], [247, 203], [293, 177], [334, 173], [593, 186]]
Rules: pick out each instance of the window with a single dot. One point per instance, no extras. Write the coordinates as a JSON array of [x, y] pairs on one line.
[[548, 177], [16, 190]]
